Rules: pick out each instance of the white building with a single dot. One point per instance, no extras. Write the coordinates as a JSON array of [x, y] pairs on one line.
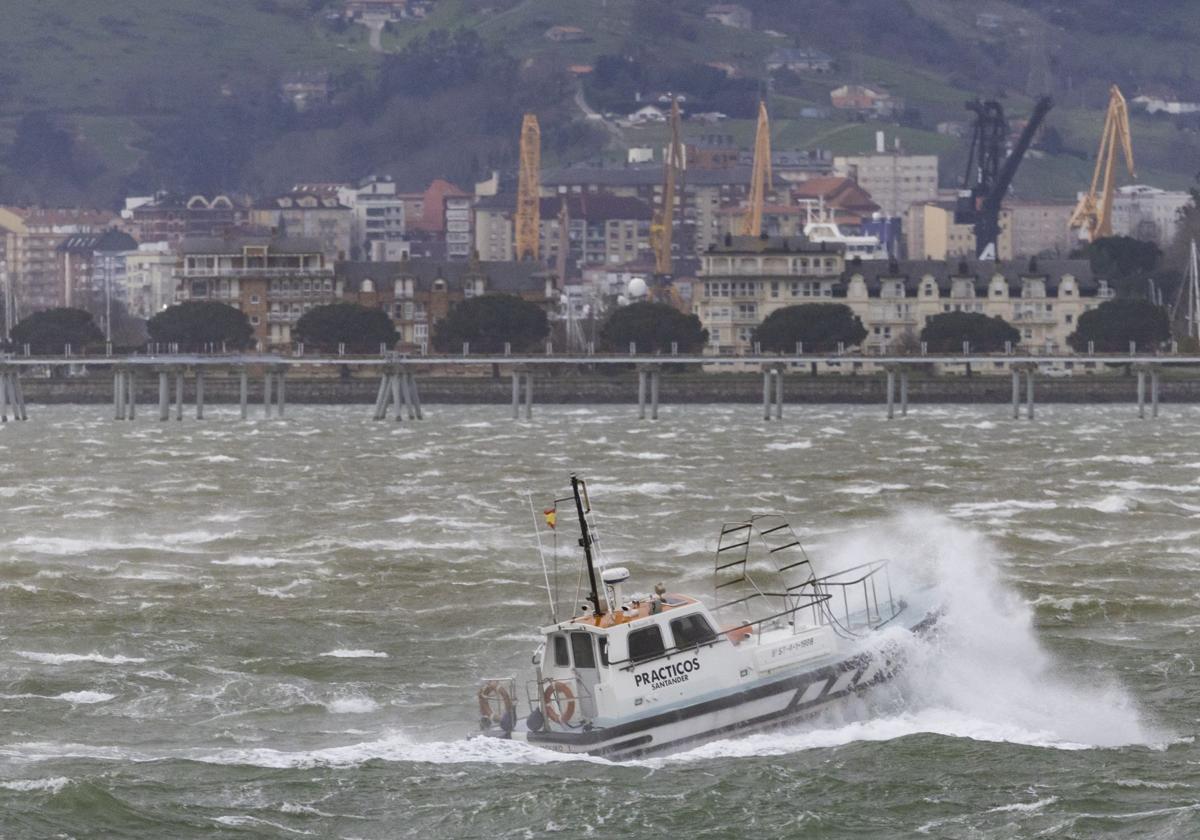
[[378, 214], [149, 278], [459, 236], [1148, 213]]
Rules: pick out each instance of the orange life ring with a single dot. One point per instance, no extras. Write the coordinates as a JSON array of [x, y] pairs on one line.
[[495, 701], [552, 698]]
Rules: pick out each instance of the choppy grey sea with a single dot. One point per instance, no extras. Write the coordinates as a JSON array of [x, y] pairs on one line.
[[274, 628]]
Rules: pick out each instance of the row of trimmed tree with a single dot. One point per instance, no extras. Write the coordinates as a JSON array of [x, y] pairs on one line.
[[489, 322]]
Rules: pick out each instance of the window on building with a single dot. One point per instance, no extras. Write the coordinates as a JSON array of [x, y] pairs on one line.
[[646, 643], [254, 300], [1068, 319], [254, 321], [774, 288], [692, 630]]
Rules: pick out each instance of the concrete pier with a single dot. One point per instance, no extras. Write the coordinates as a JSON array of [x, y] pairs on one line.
[[405, 396], [397, 397]]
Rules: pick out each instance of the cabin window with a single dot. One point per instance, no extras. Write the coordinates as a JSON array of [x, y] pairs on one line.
[[692, 630], [646, 643], [581, 647], [561, 658]]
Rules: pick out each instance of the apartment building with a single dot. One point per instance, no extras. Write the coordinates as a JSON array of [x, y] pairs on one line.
[[149, 279], [1043, 299], [418, 293], [29, 240], [894, 180], [1040, 228], [379, 217], [601, 229], [274, 280], [744, 279], [1148, 213], [310, 215], [171, 218]]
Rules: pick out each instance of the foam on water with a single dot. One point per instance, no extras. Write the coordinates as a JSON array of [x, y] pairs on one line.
[[67, 658], [344, 653]]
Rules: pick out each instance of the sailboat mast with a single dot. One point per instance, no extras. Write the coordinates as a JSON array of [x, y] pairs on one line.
[[1193, 314], [585, 540]]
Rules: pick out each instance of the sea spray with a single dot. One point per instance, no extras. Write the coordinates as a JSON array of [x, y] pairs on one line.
[[984, 672]]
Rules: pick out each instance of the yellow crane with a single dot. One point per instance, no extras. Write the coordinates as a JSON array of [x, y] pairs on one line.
[[528, 215], [1093, 214], [662, 228], [760, 176]]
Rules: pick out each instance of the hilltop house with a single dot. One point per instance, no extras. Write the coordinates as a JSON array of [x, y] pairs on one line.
[[800, 61]]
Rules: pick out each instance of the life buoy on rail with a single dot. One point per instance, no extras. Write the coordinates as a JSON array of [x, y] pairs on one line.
[[495, 702], [559, 702]]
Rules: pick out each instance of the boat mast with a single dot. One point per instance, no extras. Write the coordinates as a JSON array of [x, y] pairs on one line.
[[585, 540]]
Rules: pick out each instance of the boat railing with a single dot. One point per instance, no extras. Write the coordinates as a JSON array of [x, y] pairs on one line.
[[734, 633], [544, 695], [852, 601]]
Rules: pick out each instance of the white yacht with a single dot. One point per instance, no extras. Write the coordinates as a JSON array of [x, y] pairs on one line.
[[629, 674]]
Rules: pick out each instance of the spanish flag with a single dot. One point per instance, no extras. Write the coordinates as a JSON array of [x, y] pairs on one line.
[[551, 516]]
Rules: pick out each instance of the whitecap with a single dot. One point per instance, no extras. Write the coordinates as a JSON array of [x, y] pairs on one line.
[[64, 658], [356, 653], [84, 697], [50, 785], [352, 705]]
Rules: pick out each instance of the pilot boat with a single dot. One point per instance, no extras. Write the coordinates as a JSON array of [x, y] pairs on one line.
[[632, 674]]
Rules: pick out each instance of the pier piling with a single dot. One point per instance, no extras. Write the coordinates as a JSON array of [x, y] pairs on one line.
[[1141, 394], [4, 397], [891, 393], [415, 396], [397, 397], [267, 394], [179, 395], [1154, 392], [766, 394], [131, 393], [779, 393], [654, 374], [381, 399], [199, 394], [243, 390], [529, 395], [516, 395], [1016, 394], [641, 393], [280, 392], [903, 393], [164, 396], [1029, 393]]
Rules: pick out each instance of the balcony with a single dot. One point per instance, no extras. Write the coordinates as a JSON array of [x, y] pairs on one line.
[[189, 273]]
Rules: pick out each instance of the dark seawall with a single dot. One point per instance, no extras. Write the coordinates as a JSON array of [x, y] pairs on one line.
[[684, 388]]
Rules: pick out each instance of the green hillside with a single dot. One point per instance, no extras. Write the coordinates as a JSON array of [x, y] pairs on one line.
[[149, 94]]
